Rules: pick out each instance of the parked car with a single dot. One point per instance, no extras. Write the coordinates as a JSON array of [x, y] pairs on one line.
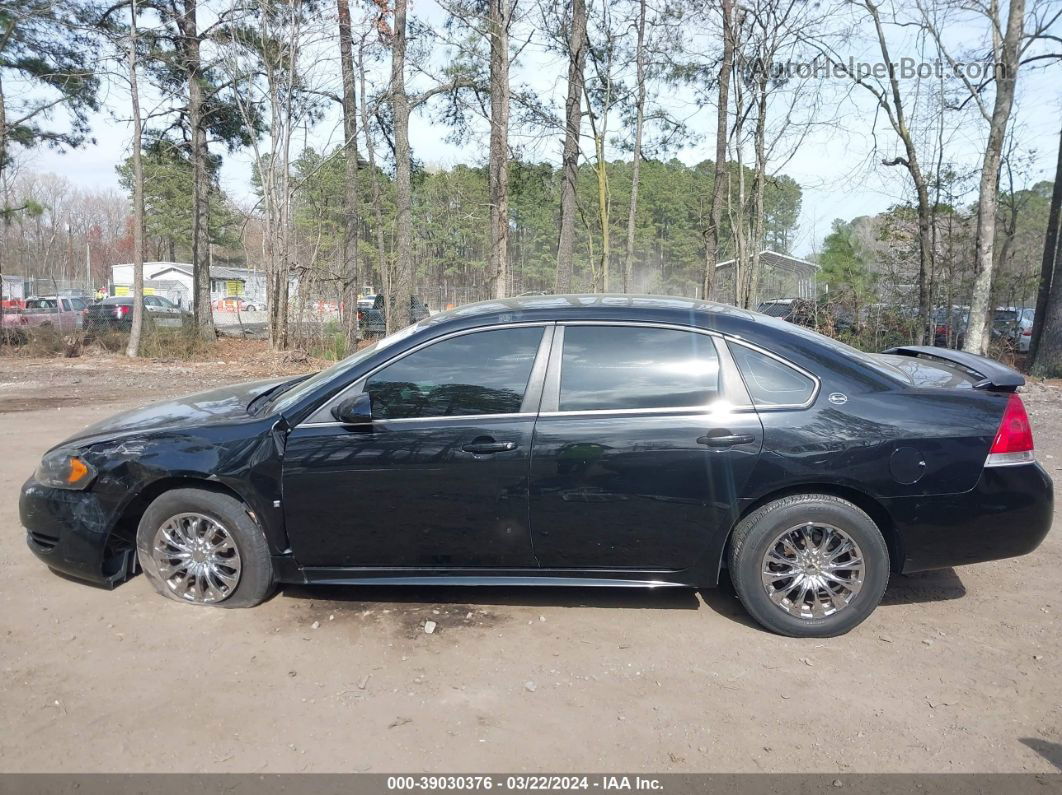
[[1005, 326], [373, 321], [949, 326], [232, 304], [600, 440], [1025, 329], [810, 313], [117, 312], [53, 311]]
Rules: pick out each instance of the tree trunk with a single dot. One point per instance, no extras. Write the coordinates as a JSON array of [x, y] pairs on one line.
[[759, 186], [1047, 264], [133, 347], [351, 225], [204, 319], [374, 181], [898, 120], [400, 300], [602, 207], [639, 122], [1048, 362], [715, 221], [577, 44], [500, 15], [988, 198]]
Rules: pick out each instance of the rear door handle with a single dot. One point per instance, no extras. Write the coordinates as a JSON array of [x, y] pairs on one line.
[[486, 448], [728, 440]]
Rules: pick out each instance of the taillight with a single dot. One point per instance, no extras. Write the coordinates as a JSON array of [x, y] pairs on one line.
[[121, 311], [1014, 441], [361, 316], [1027, 332]]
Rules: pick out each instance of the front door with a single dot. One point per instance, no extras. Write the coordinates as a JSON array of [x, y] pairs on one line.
[[640, 454], [440, 478]]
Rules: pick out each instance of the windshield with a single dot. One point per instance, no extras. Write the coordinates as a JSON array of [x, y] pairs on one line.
[[286, 399]]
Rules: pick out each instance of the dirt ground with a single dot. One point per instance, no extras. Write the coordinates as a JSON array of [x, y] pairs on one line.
[[959, 670]]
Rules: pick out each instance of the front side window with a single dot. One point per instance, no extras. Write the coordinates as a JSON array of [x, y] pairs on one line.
[[769, 381], [614, 368], [481, 373]]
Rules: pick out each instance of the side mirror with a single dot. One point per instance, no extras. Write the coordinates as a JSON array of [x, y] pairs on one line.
[[355, 410]]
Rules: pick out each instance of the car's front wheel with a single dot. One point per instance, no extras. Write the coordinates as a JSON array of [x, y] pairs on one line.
[[809, 565], [202, 547]]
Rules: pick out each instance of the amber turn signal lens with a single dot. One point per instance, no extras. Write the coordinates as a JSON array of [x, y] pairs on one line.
[[78, 471]]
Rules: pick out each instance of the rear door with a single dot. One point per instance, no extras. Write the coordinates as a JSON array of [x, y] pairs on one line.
[[644, 442]]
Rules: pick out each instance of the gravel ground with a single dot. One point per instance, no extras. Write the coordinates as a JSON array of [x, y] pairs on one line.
[[959, 670]]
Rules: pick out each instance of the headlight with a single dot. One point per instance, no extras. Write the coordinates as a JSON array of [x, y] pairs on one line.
[[61, 469]]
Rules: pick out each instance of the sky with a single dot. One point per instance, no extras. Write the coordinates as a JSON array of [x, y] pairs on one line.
[[836, 161]]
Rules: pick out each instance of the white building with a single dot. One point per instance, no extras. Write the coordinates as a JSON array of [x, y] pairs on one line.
[[12, 288], [174, 281]]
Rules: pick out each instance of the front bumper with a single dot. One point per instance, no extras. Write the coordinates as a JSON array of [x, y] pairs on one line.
[[1007, 514], [71, 532]]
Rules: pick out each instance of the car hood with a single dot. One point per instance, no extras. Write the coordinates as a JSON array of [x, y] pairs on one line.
[[214, 407]]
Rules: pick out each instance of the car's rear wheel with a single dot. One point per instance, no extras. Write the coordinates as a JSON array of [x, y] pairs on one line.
[[202, 547], [809, 565]]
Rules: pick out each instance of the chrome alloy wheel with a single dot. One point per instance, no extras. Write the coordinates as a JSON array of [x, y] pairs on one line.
[[813, 570], [197, 558]]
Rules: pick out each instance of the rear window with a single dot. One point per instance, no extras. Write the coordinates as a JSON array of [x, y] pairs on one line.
[[41, 303], [769, 381], [924, 372], [117, 299]]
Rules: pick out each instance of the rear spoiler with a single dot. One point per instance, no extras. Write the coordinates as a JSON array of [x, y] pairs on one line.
[[994, 375]]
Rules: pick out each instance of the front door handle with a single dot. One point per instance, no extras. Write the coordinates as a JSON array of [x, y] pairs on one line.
[[488, 447], [726, 440]]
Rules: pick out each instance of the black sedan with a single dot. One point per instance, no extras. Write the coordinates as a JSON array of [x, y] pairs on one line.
[[559, 440], [117, 312]]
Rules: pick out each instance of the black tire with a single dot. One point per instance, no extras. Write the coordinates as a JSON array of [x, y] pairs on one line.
[[757, 532], [255, 582]]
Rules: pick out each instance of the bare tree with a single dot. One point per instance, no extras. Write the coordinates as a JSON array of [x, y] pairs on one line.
[[500, 15], [401, 297], [577, 47], [602, 91], [1047, 265], [891, 102], [133, 347], [639, 124], [384, 272], [1048, 362], [186, 18], [722, 127], [266, 58], [1005, 55], [349, 244]]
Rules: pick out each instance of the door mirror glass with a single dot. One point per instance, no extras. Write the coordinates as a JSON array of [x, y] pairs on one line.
[[355, 410]]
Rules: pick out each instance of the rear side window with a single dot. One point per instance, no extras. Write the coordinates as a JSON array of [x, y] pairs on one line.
[[628, 367], [481, 373], [769, 381]]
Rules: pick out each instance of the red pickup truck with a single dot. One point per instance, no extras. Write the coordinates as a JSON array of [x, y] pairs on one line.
[[59, 312]]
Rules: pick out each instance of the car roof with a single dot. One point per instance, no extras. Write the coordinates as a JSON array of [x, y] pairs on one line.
[[599, 306], [801, 345]]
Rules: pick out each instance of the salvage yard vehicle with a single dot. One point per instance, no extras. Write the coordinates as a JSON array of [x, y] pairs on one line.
[[53, 311], [373, 320], [564, 440], [117, 312]]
